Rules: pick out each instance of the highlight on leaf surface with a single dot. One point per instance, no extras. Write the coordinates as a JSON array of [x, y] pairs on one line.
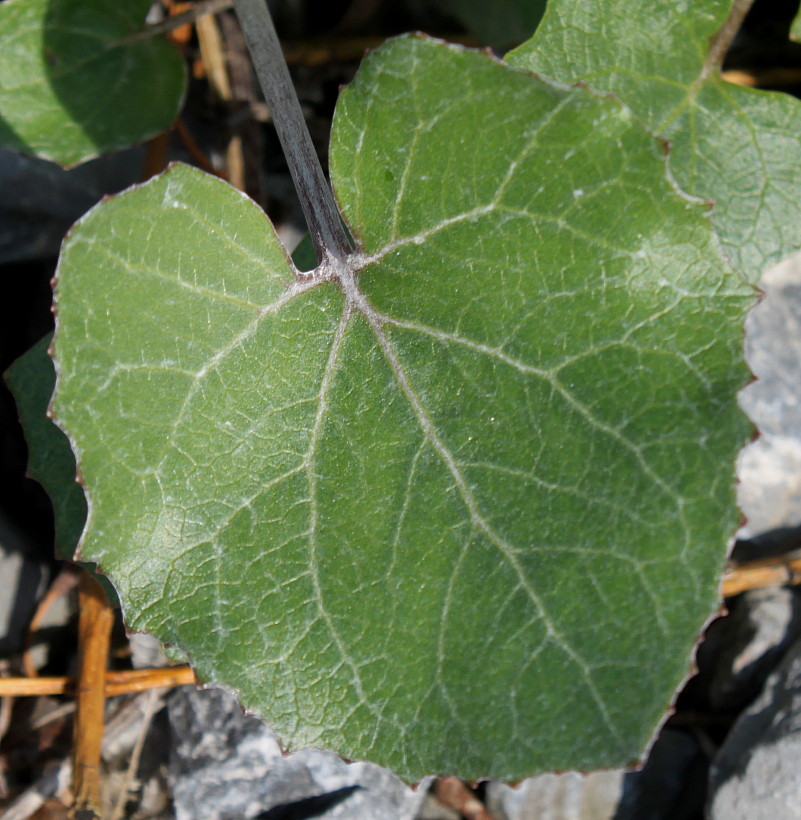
[[75, 81], [459, 504], [734, 145]]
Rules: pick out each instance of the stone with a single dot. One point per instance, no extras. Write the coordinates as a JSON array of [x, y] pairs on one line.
[[755, 773], [672, 783], [752, 640], [226, 765], [566, 796], [22, 582], [769, 468]]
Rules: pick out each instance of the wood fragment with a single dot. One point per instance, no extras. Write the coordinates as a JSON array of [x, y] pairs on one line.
[[6, 703], [192, 13], [96, 618], [194, 149], [140, 680], [739, 77], [213, 56], [782, 571], [61, 711], [154, 700], [454, 794], [212, 52], [180, 13], [720, 43], [156, 153], [244, 156], [63, 584], [116, 683], [774, 78], [53, 781]]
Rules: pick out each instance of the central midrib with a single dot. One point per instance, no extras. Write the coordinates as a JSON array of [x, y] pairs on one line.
[[344, 274]]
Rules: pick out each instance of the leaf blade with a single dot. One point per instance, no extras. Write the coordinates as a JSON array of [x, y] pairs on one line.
[[74, 83], [437, 469], [733, 145]]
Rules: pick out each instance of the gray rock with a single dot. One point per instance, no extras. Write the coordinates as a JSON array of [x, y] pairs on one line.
[[146, 651], [22, 582], [770, 468], [567, 796], [770, 490], [752, 640], [671, 785], [755, 774], [136, 728], [226, 765]]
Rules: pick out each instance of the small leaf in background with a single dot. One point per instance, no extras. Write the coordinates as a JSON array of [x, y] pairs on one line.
[[75, 82], [498, 23], [31, 380], [461, 508], [304, 256], [734, 145]]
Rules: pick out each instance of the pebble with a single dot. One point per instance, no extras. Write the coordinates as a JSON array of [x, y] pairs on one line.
[[769, 469], [567, 796], [225, 765], [752, 639], [755, 775], [22, 582]]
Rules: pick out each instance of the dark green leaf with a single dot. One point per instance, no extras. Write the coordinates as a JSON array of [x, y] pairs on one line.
[[75, 81], [31, 379]]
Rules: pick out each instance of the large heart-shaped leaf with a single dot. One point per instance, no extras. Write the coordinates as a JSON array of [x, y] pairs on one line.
[[734, 145], [458, 503], [75, 81]]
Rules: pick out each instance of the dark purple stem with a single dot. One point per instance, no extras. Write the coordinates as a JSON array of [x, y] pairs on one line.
[[322, 215]]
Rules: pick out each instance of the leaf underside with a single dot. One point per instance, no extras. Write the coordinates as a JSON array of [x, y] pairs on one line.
[[460, 505], [75, 84], [734, 145]]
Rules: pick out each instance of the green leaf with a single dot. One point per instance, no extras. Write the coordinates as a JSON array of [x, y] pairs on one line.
[[795, 28], [734, 145], [31, 380], [75, 82], [304, 256], [460, 504]]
